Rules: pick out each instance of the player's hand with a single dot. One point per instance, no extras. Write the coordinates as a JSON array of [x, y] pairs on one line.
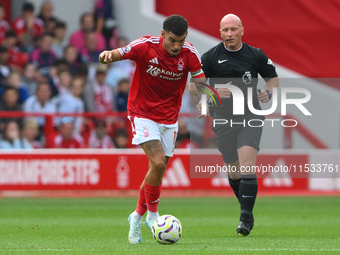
[[263, 96], [199, 108], [224, 92], [105, 57]]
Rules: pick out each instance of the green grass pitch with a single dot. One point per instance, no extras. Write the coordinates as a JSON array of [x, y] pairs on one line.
[[283, 225]]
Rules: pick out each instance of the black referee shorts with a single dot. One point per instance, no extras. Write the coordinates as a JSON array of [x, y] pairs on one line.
[[231, 138]]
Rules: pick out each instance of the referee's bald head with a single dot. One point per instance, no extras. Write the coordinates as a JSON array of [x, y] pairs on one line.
[[231, 18], [231, 31]]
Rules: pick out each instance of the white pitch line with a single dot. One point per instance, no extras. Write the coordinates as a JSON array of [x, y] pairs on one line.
[[222, 249], [38, 250]]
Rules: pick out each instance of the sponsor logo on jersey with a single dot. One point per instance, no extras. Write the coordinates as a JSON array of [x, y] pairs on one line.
[[180, 64], [246, 78], [154, 60], [176, 175], [221, 61], [162, 73]]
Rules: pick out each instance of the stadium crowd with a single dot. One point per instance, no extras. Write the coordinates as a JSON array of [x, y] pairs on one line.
[[42, 72]]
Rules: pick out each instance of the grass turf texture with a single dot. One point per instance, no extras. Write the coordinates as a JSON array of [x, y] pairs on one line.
[[283, 225]]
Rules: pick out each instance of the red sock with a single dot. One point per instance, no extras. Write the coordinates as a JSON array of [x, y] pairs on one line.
[[141, 204], [152, 194]]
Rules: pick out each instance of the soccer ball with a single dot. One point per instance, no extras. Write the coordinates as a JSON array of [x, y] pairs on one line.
[[166, 229]]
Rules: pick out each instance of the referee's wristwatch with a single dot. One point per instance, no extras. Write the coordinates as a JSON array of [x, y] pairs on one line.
[[269, 94]]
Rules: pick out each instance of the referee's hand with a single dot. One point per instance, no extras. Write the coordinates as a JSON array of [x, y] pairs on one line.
[[263, 96], [224, 92]]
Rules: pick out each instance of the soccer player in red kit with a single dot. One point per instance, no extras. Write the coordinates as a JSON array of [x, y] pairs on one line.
[[162, 66]]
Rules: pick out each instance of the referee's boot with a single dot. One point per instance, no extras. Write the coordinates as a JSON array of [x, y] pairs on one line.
[[245, 226]]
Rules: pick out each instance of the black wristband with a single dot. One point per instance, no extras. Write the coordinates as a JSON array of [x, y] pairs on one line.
[[269, 94]]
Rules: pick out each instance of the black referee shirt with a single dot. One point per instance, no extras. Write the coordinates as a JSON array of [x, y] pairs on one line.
[[241, 67]]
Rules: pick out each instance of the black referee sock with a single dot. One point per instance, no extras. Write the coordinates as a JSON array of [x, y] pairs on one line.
[[235, 185], [247, 194]]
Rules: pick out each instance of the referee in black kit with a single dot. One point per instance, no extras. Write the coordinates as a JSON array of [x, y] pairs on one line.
[[236, 63]]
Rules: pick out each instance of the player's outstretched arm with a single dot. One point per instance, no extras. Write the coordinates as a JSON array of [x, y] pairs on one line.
[[107, 56]]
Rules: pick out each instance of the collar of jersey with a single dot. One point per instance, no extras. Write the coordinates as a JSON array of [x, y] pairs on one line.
[[233, 50]]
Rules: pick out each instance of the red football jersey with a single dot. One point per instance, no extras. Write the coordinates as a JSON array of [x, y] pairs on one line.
[[159, 79], [19, 27], [4, 27], [17, 58], [58, 142]]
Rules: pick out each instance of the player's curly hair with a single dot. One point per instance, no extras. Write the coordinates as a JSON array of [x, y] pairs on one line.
[[175, 24]]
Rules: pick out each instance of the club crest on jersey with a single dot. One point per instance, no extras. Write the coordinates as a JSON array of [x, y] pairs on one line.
[[246, 78], [180, 64], [146, 131]]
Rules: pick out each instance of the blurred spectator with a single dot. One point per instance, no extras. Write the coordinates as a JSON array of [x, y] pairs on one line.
[[120, 69], [71, 55], [89, 54], [43, 56], [121, 140], [40, 103], [87, 25], [4, 25], [14, 80], [183, 137], [60, 64], [59, 44], [4, 69], [65, 138], [29, 78], [122, 95], [51, 25], [11, 138], [30, 132], [17, 58], [82, 71], [71, 103], [99, 138], [106, 22], [46, 16], [63, 82], [99, 95], [9, 102], [28, 27]]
